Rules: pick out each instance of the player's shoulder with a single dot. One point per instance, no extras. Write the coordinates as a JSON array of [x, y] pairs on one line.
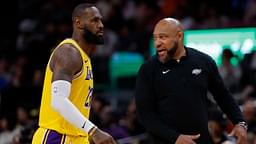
[[67, 55], [68, 48], [67, 51]]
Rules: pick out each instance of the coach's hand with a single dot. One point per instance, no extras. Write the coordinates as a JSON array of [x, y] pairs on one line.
[[101, 137], [187, 139], [240, 133]]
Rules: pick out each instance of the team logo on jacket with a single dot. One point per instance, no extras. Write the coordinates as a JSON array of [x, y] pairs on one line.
[[196, 71]]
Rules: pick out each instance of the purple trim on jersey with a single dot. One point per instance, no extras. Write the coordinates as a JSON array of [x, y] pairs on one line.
[[64, 139], [54, 138], [45, 135]]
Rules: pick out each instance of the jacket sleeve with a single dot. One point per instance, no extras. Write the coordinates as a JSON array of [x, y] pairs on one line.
[[146, 107], [222, 96]]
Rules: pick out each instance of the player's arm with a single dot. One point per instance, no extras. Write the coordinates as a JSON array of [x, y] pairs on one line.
[[65, 63]]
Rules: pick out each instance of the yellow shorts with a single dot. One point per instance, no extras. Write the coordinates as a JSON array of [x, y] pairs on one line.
[[46, 136]]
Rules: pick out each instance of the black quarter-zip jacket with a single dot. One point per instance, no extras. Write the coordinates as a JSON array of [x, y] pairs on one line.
[[171, 97]]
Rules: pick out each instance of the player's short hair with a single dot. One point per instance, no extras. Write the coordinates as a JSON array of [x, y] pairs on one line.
[[79, 9]]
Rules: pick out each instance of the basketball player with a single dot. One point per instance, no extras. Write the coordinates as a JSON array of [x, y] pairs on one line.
[[68, 85]]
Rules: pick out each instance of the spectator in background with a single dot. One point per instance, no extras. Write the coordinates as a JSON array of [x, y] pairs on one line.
[[249, 112], [130, 120], [4, 77], [98, 103], [217, 124], [248, 79], [15, 93], [110, 123], [250, 12], [24, 122], [230, 73], [7, 133]]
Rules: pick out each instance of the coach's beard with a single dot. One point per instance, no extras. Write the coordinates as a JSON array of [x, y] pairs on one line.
[[92, 38], [170, 53]]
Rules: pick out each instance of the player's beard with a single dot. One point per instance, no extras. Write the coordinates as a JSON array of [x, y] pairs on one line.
[[92, 38]]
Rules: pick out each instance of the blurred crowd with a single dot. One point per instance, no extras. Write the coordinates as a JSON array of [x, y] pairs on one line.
[[32, 28]]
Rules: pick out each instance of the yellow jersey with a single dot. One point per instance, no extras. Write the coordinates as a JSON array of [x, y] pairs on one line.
[[80, 96]]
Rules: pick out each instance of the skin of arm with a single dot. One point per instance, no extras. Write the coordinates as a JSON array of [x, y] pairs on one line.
[[65, 63]]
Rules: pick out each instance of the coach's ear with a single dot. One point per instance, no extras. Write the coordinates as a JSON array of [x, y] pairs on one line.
[[180, 36]]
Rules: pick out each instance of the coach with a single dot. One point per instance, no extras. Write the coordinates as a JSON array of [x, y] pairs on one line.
[[171, 91]]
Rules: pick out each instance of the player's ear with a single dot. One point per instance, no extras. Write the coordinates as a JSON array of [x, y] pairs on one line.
[[78, 23]]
